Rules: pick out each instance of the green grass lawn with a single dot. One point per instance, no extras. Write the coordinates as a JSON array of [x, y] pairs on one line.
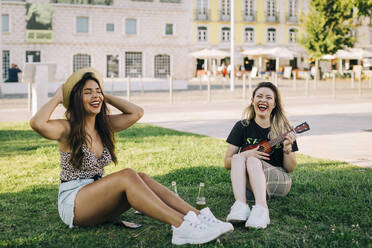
[[330, 204]]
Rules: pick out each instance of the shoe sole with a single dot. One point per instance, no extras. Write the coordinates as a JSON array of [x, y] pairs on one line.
[[180, 241], [257, 227], [236, 221]]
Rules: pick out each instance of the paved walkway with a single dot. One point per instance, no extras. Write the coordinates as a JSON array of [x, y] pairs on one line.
[[341, 128]]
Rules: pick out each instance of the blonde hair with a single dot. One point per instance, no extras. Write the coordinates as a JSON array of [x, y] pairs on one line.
[[279, 123]]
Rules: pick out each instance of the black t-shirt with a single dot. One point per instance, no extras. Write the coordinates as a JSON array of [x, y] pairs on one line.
[[252, 134]]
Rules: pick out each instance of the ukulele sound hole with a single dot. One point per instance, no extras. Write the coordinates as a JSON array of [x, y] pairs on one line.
[[261, 148]]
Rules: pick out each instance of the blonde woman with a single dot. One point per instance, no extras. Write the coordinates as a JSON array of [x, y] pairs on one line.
[[254, 170], [86, 143]]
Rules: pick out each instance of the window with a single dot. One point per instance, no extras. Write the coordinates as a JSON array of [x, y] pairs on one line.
[[248, 8], [133, 64], [292, 8], [5, 22], [110, 27], [81, 61], [225, 10], [225, 36], [170, 1], [249, 35], [6, 63], [271, 7], [202, 33], [112, 66], [162, 66], [169, 29], [271, 12], [271, 35], [292, 35], [82, 24], [33, 56], [202, 10], [91, 2], [130, 26]]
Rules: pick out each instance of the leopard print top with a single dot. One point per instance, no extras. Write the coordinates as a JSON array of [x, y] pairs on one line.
[[91, 164]]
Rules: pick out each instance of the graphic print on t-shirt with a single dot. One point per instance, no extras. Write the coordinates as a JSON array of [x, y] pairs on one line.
[[243, 135]]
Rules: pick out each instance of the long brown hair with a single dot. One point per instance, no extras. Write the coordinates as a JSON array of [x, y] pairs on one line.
[[279, 123], [76, 115]]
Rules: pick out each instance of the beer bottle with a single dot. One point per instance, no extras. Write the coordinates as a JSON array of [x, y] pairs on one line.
[[200, 200], [174, 187]]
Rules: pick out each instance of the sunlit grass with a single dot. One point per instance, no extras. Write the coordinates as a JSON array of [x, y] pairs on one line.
[[330, 204]]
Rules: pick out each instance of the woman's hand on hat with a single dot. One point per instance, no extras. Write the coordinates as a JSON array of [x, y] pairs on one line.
[[59, 94]]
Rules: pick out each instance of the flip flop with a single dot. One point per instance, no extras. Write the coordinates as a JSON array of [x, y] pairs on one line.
[[127, 224]]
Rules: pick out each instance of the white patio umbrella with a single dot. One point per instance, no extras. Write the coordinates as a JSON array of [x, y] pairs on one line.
[[353, 53], [328, 57], [209, 54], [256, 52]]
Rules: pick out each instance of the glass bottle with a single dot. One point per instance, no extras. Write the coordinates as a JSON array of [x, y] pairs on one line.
[[200, 200], [174, 187]]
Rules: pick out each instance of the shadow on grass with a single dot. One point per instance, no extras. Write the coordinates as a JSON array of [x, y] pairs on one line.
[[324, 208], [145, 130], [14, 142]]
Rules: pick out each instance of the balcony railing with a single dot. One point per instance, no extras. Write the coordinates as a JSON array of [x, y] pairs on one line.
[[91, 2], [224, 16], [272, 16], [201, 14], [250, 17], [291, 18]]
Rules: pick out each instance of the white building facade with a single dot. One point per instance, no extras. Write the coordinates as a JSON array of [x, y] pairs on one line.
[[126, 38]]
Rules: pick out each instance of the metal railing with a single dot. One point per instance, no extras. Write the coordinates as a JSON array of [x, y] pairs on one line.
[[224, 16], [249, 17], [201, 14], [291, 18], [272, 17], [91, 2]]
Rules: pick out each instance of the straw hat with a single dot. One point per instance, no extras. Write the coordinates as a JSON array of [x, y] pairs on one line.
[[74, 79]]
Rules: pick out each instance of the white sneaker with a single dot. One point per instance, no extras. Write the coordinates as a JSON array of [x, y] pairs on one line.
[[259, 217], [193, 231], [239, 212], [207, 217]]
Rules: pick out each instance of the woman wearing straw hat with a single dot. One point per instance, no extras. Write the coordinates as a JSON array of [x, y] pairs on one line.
[[86, 144]]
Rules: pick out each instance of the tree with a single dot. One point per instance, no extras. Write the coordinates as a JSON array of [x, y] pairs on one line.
[[364, 7], [327, 27]]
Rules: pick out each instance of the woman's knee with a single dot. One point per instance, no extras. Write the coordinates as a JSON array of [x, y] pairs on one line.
[[253, 162], [237, 161], [128, 174], [143, 175]]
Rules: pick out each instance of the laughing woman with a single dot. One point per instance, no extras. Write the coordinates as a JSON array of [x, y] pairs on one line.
[[86, 144], [255, 170]]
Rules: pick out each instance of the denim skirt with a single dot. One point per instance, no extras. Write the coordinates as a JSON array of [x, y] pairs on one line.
[[66, 199]]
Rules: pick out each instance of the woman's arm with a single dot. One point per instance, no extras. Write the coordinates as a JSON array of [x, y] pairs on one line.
[[50, 129], [289, 157], [131, 113], [231, 150]]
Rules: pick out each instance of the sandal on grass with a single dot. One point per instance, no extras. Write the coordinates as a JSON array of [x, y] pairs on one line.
[[127, 224]]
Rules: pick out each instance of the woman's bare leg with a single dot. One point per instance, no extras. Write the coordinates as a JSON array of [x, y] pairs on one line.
[[96, 202], [257, 180], [239, 178], [167, 196]]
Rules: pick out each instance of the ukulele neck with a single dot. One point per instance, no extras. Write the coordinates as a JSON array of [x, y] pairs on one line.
[[277, 140]]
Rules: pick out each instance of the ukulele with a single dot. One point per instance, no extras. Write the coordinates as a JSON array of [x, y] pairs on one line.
[[267, 145]]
